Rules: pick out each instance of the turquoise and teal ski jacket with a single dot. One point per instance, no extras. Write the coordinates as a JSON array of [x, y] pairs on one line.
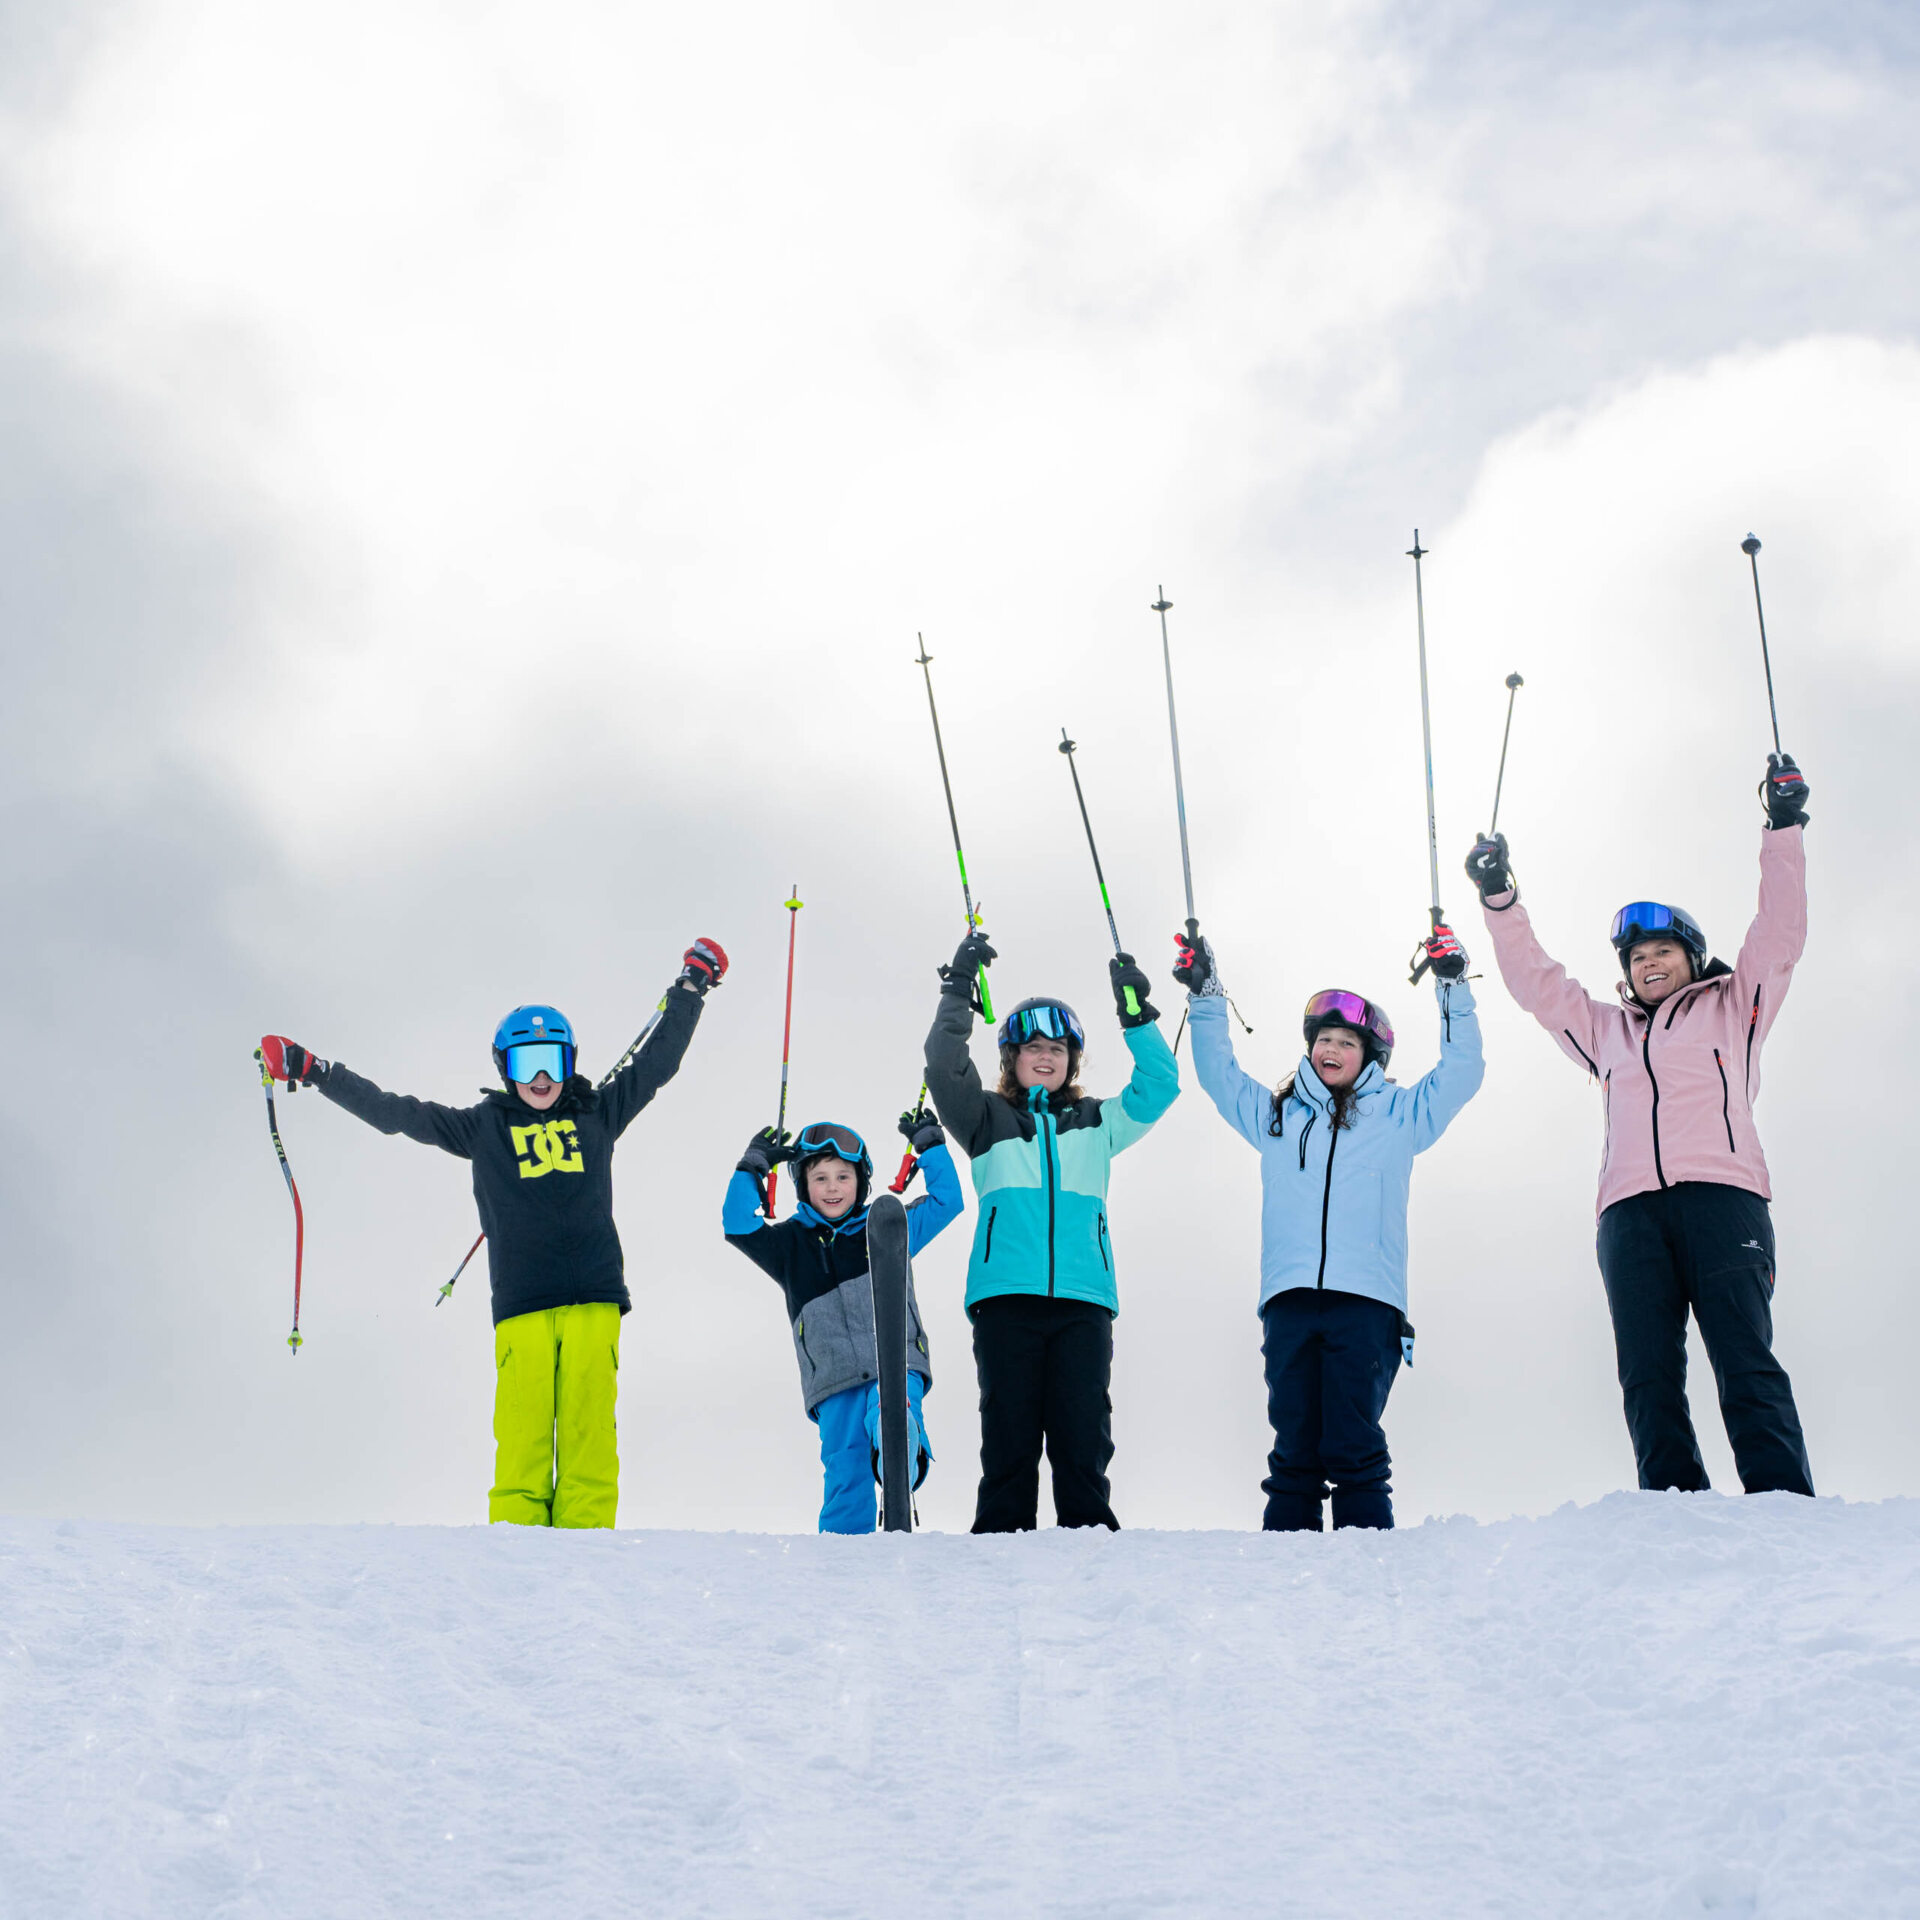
[[1334, 1205], [1040, 1171]]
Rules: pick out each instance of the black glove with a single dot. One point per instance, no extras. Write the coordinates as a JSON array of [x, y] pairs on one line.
[[765, 1151], [1130, 989], [1783, 792], [1445, 955], [1193, 966], [973, 953], [1487, 866], [921, 1129], [703, 965]]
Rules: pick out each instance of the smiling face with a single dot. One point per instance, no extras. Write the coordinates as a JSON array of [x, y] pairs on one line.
[[1338, 1056], [540, 1092], [1041, 1062], [833, 1185], [1657, 968]]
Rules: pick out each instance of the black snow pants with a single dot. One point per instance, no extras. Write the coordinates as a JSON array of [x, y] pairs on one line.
[[1331, 1360], [1044, 1368], [1706, 1247]]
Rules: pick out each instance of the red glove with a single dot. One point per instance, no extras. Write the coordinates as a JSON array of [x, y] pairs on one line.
[[703, 965], [288, 1060]]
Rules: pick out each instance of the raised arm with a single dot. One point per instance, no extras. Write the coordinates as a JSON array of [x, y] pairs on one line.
[[953, 1082], [1541, 985], [1778, 935], [1152, 1089], [449, 1128], [741, 1217], [1244, 1104], [1435, 1099], [703, 967], [943, 1202]]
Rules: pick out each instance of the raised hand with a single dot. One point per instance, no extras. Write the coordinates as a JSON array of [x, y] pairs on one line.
[[1487, 866], [702, 966], [1194, 968], [288, 1060], [1130, 989], [1783, 792]]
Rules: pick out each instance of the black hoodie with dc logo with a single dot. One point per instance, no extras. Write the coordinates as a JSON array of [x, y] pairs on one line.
[[543, 1181]]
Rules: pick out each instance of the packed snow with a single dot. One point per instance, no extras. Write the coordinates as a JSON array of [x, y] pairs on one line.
[[1656, 1705]]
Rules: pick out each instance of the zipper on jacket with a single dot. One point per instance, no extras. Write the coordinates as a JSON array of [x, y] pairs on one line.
[[1646, 1054], [1306, 1133], [1049, 1141], [1606, 1111], [1582, 1052], [1753, 1025], [986, 1252], [1106, 1264], [1725, 1096], [1326, 1201]]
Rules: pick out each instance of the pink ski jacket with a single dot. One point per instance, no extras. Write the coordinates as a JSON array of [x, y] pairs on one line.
[[1677, 1084]]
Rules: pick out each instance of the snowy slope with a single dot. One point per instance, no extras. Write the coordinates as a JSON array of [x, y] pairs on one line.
[[1657, 1705]]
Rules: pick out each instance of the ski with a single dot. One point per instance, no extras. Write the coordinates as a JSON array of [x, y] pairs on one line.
[[888, 1265]]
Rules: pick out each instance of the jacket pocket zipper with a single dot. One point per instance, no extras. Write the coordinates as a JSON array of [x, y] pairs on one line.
[[1105, 1263], [986, 1252], [1726, 1096]]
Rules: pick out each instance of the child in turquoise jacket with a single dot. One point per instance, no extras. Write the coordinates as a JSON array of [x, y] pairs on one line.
[[1040, 1286]]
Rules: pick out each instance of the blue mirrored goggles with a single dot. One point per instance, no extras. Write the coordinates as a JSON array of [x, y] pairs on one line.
[[1644, 919], [829, 1136], [1041, 1023], [539, 1056]]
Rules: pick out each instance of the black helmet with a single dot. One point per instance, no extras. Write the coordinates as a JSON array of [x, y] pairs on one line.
[[1649, 920], [829, 1140]]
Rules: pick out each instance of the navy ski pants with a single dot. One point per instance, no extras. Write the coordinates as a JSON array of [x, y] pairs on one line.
[[1706, 1247], [1045, 1367], [1331, 1358]]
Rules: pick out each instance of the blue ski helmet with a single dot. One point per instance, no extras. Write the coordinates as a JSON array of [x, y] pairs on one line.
[[534, 1040]]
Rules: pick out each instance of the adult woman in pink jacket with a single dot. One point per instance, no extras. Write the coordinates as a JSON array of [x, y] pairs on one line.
[[1684, 1221]]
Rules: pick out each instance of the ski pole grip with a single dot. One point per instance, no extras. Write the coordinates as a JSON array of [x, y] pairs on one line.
[[986, 999], [909, 1166], [1133, 1000]]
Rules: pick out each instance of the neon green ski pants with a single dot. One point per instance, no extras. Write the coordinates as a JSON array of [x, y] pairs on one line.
[[556, 1461]]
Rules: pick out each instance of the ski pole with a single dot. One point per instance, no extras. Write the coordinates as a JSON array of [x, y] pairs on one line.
[[1160, 607], [460, 1269], [924, 663], [909, 1161], [1415, 552], [1066, 747], [299, 1213], [1750, 546], [639, 1040], [786, 1040], [1514, 684]]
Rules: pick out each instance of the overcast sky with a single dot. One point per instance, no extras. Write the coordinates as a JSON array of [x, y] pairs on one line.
[[470, 480]]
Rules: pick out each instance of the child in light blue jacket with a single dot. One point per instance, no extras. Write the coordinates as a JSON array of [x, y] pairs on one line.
[[1336, 1141]]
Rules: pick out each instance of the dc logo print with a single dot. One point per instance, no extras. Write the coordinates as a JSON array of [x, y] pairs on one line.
[[552, 1147]]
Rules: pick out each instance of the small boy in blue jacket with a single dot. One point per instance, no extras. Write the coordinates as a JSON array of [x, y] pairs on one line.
[[819, 1257]]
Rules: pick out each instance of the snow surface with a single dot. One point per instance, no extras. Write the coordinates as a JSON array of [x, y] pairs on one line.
[[1657, 1705]]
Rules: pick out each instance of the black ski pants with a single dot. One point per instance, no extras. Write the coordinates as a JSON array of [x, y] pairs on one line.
[[1044, 1368], [1707, 1248], [1331, 1359]]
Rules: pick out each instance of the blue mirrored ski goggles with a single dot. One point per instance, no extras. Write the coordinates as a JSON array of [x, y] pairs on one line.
[[1643, 919], [1041, 1023], [539, 1056], [829, 1136]]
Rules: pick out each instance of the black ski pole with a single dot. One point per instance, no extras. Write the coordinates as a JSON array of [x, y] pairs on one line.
[[1750, 546], [1514, 684], [925, 665], [1066, 747], [1415, 553], [294, 1339], [1160, 607]]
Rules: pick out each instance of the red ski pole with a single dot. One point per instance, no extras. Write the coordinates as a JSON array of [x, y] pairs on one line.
[[299, 1213], [793, 907]]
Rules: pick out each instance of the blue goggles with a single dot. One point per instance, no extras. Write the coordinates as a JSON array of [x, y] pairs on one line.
[[550, 1057], [829, 1136], [1042, 1023], [1645, 919]]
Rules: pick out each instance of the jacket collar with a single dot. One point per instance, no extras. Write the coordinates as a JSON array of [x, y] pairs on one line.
[[847, 1223], [1714, 970], [1308, 1086]]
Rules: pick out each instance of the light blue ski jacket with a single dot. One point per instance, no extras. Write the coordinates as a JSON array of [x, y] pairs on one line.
[[1334, 1206]]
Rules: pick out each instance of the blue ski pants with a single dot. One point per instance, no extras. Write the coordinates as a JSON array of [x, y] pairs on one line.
[[1331, 1358], [850, 1444]]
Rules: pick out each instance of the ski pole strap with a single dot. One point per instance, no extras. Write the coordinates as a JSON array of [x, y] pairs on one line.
[[294, 1339]]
